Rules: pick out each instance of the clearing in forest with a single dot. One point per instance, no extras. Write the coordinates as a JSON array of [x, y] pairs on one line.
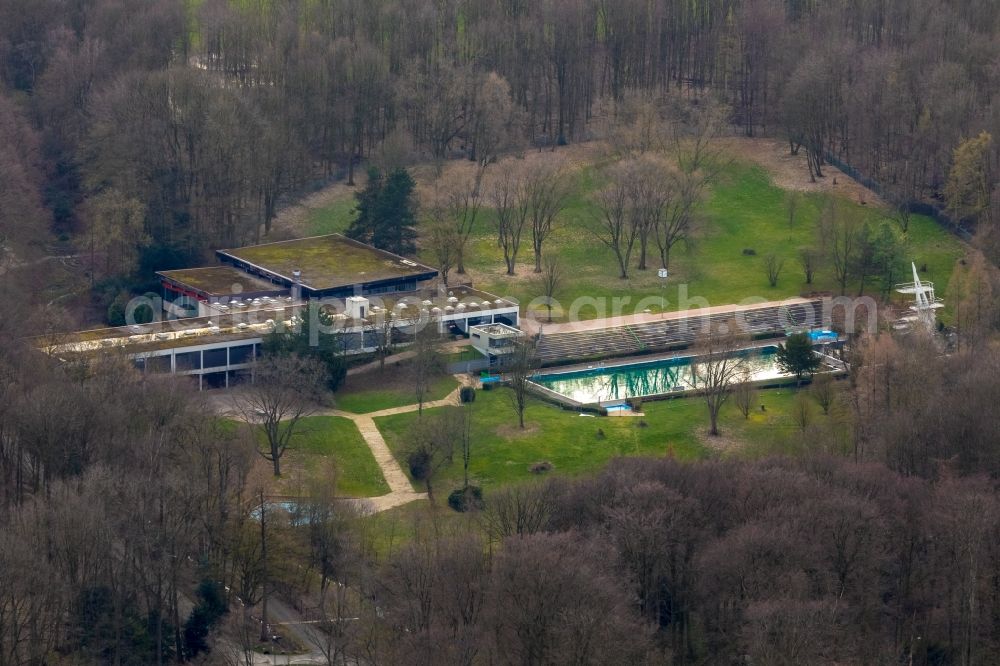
[[743, 218]]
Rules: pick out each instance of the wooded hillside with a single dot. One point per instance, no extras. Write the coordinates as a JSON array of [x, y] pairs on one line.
[[149, 131]]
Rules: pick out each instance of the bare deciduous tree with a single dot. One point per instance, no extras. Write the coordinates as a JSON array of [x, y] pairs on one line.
[[618, 223], [426, 363], [745, 393], [431, 447], [550, 280], [518, 510], [718, 366], [493, 123], [116, 231], [381, 326], [841, 234], [462, 423], [793, 200], [544, 193], [808, 260], [650, 196], [443, 239], [285, 390], [538, 579], [511, 214], [518, 368], [773, 265], [639, 126], [453, 212], [802, 411], [823, 391]]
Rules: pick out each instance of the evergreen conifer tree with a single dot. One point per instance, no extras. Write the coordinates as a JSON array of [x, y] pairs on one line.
[[386, 212], [796, 356], [362, 227]]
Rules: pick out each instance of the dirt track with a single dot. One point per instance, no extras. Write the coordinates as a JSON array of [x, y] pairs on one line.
[[790, 172]]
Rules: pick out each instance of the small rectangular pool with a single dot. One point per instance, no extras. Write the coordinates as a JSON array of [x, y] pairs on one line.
[[637, 380]]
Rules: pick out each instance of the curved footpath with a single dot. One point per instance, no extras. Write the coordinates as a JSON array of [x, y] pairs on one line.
[[400, 490], [400, 493]]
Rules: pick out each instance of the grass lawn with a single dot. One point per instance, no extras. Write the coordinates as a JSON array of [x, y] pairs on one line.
[[333, 218], [372, 391], [744, 210], [323, 445], [502, 453], [570, 441]]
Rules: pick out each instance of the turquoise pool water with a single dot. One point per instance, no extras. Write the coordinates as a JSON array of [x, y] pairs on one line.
[[636, 380]]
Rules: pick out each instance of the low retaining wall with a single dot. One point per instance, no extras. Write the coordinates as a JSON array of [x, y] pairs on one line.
[[467, 367]]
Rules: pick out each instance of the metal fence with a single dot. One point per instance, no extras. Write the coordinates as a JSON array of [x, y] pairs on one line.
[[917, 207]]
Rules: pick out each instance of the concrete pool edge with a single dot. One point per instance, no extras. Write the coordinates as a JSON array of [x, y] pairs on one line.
[[566, 402], [635, 359], [600, 407]]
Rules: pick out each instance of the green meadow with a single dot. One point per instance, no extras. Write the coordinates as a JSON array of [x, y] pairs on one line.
[[374, 391], [328, 447], [573, 444], [744, 210]]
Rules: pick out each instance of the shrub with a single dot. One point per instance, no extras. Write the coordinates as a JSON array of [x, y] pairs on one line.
[[116, 310], [466, 499], [467, 394], [204, 616], [419, 462], [541, 467], [143, 314], [749, 252]]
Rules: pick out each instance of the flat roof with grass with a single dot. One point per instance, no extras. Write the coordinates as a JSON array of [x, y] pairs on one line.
[[220, 281], [327, 262]]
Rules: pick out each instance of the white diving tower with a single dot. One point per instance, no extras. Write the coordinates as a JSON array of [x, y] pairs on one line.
[[925, 303]]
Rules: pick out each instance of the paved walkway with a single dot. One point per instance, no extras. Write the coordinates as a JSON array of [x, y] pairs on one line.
[[400, 490], [400, 493], [534, 326], [455, 345]]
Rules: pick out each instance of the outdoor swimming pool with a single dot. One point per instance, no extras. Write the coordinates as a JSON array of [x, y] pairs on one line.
[[636, 380]]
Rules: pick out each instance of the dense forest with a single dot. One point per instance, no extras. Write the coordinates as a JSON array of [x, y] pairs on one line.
[[131, 521], [149, 131], [141, 134]]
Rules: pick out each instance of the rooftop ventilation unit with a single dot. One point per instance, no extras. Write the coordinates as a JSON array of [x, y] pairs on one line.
[[356, 307]]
